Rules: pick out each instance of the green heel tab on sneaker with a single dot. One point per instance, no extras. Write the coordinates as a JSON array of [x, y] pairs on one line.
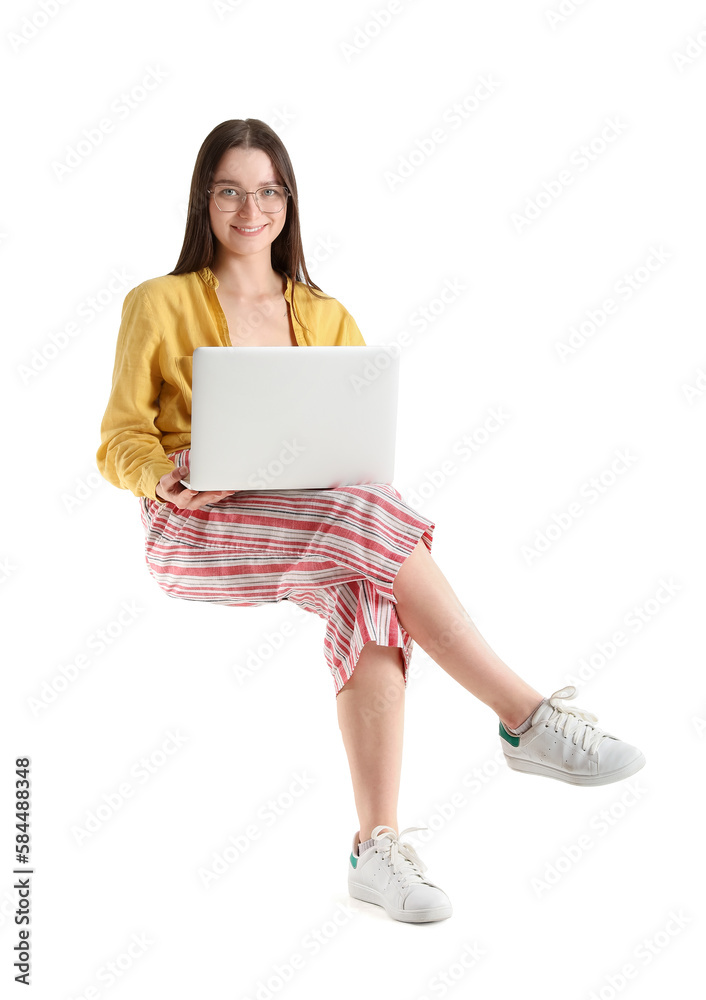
[[514, 741], [354, 860]]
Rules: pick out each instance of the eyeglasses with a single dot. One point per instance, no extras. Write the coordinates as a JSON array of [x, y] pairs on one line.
[[270, 199]]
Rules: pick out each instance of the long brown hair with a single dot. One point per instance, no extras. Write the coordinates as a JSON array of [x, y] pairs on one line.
[[198, 249]]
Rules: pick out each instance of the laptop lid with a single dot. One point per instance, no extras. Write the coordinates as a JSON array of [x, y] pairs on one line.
[[275, 418]]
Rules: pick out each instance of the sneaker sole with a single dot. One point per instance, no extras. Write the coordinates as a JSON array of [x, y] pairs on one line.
[[531, 767], [410, 916]]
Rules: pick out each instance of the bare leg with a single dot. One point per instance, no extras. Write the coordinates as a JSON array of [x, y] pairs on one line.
[[430, 611], [370, 709], [370, 705]]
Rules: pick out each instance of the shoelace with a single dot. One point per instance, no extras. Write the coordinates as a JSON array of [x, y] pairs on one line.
[[406, 863], [576, 723]]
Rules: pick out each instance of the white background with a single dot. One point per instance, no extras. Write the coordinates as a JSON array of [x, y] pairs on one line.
[[555, 888]]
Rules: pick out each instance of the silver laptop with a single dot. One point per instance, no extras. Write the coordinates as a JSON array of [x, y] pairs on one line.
[[280, 418]]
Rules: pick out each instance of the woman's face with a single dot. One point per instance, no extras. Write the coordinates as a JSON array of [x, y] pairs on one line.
[[248, 169]]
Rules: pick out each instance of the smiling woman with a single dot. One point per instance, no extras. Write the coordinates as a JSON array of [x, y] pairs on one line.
[[357, 556], [241, 167]]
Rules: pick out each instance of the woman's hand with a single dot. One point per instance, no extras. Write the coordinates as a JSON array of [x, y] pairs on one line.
[[169, 488]]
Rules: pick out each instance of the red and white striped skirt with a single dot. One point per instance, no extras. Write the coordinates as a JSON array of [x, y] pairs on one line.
[[334, 552]]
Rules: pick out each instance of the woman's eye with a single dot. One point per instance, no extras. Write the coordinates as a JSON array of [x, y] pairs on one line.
[[229, 192]]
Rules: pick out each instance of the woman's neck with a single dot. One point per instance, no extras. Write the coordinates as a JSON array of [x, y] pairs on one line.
[[247, 278]]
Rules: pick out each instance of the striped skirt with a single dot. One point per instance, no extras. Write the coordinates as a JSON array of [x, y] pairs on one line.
[[334, 552]]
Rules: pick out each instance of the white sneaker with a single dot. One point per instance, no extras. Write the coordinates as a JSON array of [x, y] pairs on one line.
[[390, 874], [563, 742]]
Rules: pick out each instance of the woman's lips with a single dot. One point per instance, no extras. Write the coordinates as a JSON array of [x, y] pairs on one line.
[[243, 232]]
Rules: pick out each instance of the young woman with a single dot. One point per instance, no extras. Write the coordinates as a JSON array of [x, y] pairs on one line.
[[357, 556]]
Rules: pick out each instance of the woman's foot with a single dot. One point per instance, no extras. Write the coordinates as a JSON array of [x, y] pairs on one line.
[[561, 741], [390, 874]]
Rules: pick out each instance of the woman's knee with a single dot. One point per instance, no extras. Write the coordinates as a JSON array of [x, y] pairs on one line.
[[379, 669]]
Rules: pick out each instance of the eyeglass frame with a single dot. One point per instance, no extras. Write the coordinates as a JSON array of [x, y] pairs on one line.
[[264, 187]]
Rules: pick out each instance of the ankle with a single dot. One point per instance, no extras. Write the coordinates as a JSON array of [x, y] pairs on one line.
[[369, 831], [518, 719]]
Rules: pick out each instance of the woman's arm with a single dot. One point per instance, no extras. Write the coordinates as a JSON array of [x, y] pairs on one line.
[[353, 336], [130, 455]]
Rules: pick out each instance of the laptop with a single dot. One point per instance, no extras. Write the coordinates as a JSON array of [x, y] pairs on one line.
[[276, 418]]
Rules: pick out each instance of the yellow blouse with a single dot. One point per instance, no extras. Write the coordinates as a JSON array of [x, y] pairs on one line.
[[149, 408]]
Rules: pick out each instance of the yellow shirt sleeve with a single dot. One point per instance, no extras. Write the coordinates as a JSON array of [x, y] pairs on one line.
[[130, 455], [353, 336]]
